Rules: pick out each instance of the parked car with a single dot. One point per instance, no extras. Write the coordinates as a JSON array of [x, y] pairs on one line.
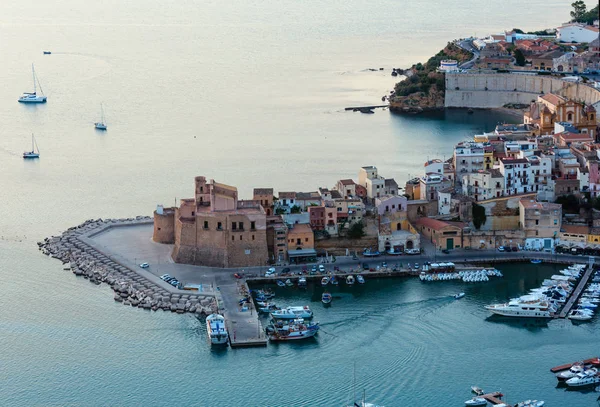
[[285, 270], [446, 251], [514, 249], [321, 268], [501, 249], [365, 266], [164, 276], [144, 265]]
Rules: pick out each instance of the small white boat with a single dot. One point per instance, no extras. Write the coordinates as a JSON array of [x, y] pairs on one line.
[[326, 298], [324, 281], [571, 372], [302, 282], [350, 280], [217, 333], [360, 279], [459, 295], [33, 97], [101, 125], [289, 283], [530, 403], [293, 313], [585, 378], [35, 151], [578, 315], [477, 390], [476, 401]]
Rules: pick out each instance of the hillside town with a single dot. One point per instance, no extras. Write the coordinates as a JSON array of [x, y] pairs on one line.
[[512, 189]]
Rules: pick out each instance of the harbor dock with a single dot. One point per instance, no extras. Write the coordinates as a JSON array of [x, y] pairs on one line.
[[494, 398], [566, 366], [576, 293]]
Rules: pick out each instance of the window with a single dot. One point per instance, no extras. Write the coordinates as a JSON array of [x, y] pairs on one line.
[[298, 241], [232, 238], [219, 226], [556, 221], [570, 116], [394, 206], [252, 225], [193, 213], [205, 224], [339, 209], [306, 239], [233, 226], [537, 222], [241, 226], [252, 237], [241, 237]]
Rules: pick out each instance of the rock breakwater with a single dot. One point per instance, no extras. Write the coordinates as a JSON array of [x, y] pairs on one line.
[[131, 287]]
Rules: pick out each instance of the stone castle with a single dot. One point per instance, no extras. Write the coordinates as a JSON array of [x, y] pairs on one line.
[[214, 228]]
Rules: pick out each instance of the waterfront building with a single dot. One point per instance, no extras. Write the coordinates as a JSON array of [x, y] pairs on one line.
[[494, 63], [390, 204], [215, 228], [576, 33], [430, 184], [541, 222], [277, 239], [494, 49], [445, 201], [567, 138], [306, 199], [594, 179], [535, 46], [484, 184], [390, 187], [444, 235], [572, 62], [301, 243], [396, 233], [265, 197], [346, 188], [412, 189], [291, 219], [574, 234], [371, 181], [326, 194]]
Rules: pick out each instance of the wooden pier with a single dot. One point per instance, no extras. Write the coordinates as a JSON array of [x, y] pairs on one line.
[[364, 107], [494, 398], [576, 293], [566, 366]]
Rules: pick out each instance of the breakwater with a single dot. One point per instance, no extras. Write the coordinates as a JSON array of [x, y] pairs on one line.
[[137, 288]]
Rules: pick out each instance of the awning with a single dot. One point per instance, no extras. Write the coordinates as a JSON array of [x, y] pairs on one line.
[[302, 253]]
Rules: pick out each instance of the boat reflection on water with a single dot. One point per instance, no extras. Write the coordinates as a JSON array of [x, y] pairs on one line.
[[531, 324]]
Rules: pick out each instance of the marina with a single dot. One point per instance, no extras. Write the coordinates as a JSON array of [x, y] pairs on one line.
[[576, 293]]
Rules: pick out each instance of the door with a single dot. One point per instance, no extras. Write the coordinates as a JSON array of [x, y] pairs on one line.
[[450, 243]]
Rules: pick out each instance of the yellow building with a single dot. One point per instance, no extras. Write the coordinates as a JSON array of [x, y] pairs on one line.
[[301, 243]]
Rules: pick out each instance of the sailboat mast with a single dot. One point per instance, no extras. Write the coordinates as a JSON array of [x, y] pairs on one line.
[[32, 141], [33, 74]]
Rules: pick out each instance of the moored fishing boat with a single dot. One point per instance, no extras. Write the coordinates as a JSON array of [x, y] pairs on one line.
[[360, 279], [324, 281], [289, 283], [536, 261], [350, 280], [586, 378], [326, 298], [217, 332], [295, 329], [302, 282], [33, 97], [280, 283], [269, 308], [459, 295], [293, 313], [334, 280]]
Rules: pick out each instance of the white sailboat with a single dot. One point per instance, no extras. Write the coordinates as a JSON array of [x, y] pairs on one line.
[[101, 125], [35, 151], [33, 97]]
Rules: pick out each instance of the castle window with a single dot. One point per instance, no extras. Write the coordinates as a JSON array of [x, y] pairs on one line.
[[205, 224], [241, 237], [252, 237], [193, 213], [252, 225], [241, 225], [219, 226], [233, 226]]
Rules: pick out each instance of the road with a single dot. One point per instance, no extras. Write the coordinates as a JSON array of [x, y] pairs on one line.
[[467, 45]]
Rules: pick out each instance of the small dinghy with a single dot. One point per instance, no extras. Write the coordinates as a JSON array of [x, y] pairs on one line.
[[324, 281], [326, 298], [459, 295], [280, 283]]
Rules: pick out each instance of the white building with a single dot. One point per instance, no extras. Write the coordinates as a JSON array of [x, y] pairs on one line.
[[576, 32], [449, 65], [445, 201], [373, 182], [517, 175], [468, 157], [390, 204], [483, 185], [430, 184]]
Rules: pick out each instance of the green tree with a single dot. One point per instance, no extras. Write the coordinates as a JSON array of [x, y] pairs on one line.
[[295, 209], [356, 231], [479, 216], [570, 203], [519, 57], [590, 16], [579, 10]]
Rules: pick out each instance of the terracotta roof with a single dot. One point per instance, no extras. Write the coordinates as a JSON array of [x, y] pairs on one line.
[[553, 99], [263, 191], [576, 229], [514, 160], [532, 204], [308, 195], [433, 223], [347, 182], [287, 195], [568, 136]]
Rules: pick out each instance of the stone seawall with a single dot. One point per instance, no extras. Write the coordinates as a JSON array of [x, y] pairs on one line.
[[490, 90], [131, 287]]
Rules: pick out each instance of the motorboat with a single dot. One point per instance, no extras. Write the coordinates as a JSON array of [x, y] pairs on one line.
[[370, 253], [289, 283], [536, 261], [459, 295], [280, 283], [324, 281], [571, 372], [334, 280], [530, 403], [217, 332], [586, 378], [527, 306], [269, 308], [350, 280], [477, 390], [295, 329], [293, 313], [35, 151], [360, 279], [302, 282], [476, 401], [33, 97], [578, 315], [326, 298]]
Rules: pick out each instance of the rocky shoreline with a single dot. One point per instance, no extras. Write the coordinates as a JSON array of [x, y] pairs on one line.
[[129, 286]]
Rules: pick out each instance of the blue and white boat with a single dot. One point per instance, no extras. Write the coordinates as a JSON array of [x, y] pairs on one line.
[[326, 298], [536, 261], [295, 329], [293, 313], [217, 332], [35, 151], [360, 279]]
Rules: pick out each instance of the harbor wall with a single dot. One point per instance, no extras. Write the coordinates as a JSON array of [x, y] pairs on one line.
[[490, 90]]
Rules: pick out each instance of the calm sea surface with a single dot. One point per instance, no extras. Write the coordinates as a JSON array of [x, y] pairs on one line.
[[251, 94]]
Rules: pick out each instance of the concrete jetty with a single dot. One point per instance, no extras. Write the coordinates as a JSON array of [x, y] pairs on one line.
[[576, 293]]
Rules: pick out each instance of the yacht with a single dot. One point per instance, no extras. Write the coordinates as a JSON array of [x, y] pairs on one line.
[[293, 313], [476, 401], [571, 372], [292, 330], [215, 325], [33, 97], [585, 378], [35, 151], [350, 280], [527, 306]]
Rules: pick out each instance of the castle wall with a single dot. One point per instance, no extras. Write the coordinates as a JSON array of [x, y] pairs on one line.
[[164, 227]]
